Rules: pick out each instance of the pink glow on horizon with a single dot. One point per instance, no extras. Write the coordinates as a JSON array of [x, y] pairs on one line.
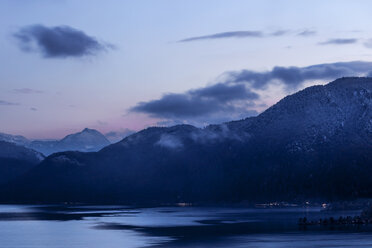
[[135, 122]]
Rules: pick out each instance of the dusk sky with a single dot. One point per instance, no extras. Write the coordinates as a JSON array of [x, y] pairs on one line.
[[116, 65]]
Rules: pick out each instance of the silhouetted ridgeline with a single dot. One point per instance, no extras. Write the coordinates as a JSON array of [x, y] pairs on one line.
[[316, 143]]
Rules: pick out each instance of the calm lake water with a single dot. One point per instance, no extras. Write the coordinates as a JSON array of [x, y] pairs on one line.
[[125, 227]]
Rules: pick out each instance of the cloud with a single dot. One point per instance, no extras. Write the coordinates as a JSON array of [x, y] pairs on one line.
[[169, 141], [248, 34], [339, 42], [368, 43], [210, 101], [33, 109], [6, 103], [224, 93], [280, 32], [234, 34], [293, 77], [307, 32], [115, 136], [235, 97], [27, 91], [217, 133], [57, 42], [102, 123]]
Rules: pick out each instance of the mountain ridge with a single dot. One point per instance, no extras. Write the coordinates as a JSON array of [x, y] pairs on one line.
[[315, 143]]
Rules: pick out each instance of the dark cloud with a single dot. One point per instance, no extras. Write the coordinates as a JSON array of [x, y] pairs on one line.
[[234, 34], [200, 103], [178, 106], [224, 93], [27, 91], [58, 42], [6, 103], [233, 98], [293, 77], [339, 42]]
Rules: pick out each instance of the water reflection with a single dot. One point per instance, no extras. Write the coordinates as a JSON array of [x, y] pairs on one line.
[[122, 226]]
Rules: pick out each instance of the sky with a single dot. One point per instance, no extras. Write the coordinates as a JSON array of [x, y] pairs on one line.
[[119, 65]]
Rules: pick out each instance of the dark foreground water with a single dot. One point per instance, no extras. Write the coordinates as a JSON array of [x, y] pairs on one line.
[[126, 227]]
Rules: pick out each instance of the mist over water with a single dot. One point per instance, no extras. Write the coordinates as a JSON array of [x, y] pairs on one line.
[[122, 226]]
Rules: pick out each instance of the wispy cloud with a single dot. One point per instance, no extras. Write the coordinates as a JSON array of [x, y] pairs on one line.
[[6, 103], [102, 123], [307, 32], [27, 91], [339, 42], [280, 32], [169, 141], [233, 34], [58, 42], [250, 34], [115, 136], [368, 43]]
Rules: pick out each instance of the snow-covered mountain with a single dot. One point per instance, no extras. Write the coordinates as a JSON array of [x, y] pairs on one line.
[[88, 140], [17, 139], [315, 143], [329, 114]]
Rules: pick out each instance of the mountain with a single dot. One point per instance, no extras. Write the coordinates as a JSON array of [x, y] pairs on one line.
[[17, 139], [314, 144], [15, 160], [88, 140]]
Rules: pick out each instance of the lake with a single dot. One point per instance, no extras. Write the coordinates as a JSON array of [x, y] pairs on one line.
[[72, 226]]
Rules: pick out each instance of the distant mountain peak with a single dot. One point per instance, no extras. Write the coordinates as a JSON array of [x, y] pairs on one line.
[[88, 140], [16, 139], [88, 133], [89, 130]]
